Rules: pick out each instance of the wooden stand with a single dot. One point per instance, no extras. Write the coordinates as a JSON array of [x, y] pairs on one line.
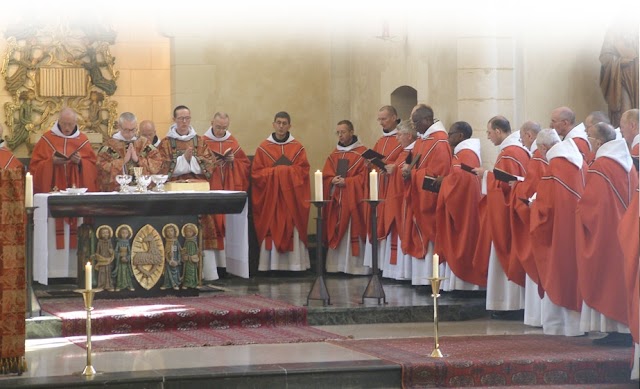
[[319, 289], [374, 287]]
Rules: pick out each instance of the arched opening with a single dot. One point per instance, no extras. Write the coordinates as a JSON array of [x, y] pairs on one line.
[[404, 98]]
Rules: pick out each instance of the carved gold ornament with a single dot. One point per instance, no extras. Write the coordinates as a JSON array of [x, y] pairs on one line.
[[147, 259]]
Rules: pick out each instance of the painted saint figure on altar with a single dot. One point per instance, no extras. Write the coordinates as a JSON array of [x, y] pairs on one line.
[[191, 257], [172, 256], [103, 257], [122, 271]]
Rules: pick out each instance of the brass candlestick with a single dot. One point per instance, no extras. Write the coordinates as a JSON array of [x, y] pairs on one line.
[[87, 296], [435, 288]]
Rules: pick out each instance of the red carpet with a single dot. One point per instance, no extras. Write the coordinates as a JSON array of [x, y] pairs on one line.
[[500, 360], [138, 324], [174, 313]]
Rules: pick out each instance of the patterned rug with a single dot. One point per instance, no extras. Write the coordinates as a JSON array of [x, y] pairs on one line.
[[174, 314], [500, 360], [205, 337]]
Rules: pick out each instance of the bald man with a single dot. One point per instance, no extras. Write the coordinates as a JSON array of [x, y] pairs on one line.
[[563, 120], [147, 129]]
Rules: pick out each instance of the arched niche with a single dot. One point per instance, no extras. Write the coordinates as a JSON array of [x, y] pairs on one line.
[[404, 98]]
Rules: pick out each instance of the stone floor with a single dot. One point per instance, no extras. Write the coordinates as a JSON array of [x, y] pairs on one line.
[[54, 362]]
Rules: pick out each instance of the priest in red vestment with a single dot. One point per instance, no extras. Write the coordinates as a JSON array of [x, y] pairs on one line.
[[63, 158], [280, 195], [628, 233], [611, 182], [563, 121], [554, 234], [185, 155], [397, 264], [123, 152], [433, 158], [457, 214], [630, 131], [230, 173], [7, 159], [521, 250], [505, 279], [388, 146], [345, 175]]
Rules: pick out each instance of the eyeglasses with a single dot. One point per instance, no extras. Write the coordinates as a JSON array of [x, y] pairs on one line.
[[129, 129], [281, 123], [183, 118]]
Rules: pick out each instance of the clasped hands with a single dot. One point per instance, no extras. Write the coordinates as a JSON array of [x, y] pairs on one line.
[[131, 154], [338, 181]]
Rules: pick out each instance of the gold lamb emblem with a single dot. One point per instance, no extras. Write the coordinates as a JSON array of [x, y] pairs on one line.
[[147, 259]]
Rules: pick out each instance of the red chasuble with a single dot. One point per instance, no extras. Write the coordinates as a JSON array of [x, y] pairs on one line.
[[585, 149], [606, 197], [346, 206], [224, 176], [280, 194], [8, 160], [388, 146], [458, 218], [392, 216], [47, 176], [628, 234], [521, 249], [111, 161], [496, 221], [420, 205], [553, 232]]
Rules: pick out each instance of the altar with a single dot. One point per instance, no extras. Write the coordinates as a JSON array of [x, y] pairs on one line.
[[50, 262]]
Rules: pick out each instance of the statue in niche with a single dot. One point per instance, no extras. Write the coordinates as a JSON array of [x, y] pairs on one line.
[[192, 270], [148, 257], [172, 257], [103, 257], [122, 272]]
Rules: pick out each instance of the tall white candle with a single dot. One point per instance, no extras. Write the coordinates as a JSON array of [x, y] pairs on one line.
[[318, 183], [436, 266], [373, 185], [88, 276], [28, 190]]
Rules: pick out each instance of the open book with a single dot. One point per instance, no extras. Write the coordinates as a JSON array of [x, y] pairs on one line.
[[60, 155], [501, 175], [375, 158], [431, 184], [224, 155], [283, 160]]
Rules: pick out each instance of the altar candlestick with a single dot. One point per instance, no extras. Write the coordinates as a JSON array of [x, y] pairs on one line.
[[318, 182], [87, 276], [373, 185], [28, 190], [436, 266]]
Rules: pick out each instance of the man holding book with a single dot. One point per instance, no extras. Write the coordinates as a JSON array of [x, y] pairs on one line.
[[431, 156], [345, 177], [505, 279], [63, 158], [280, 197], [457, 214], [230, 173]]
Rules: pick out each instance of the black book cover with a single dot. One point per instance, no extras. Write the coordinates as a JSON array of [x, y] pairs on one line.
[[467, 168], [636, 162], [342, 168], [371, 154], [429, 183], [501, 175]]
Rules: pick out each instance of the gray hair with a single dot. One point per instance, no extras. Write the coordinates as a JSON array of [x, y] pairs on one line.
[[596, 117], [631, 115], [221, 115], [127, 117], [604, 132], [405, 126], [547, 137], [531, 126]]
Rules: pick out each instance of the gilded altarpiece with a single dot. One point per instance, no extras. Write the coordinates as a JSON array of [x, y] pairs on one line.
[[47, 68]]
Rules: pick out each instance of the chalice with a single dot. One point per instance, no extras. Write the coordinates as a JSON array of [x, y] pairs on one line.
[[159, 180], [143, 182], [123, 180]]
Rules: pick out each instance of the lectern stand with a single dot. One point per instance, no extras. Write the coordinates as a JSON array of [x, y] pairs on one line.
[[374, 287], [319, 289]]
